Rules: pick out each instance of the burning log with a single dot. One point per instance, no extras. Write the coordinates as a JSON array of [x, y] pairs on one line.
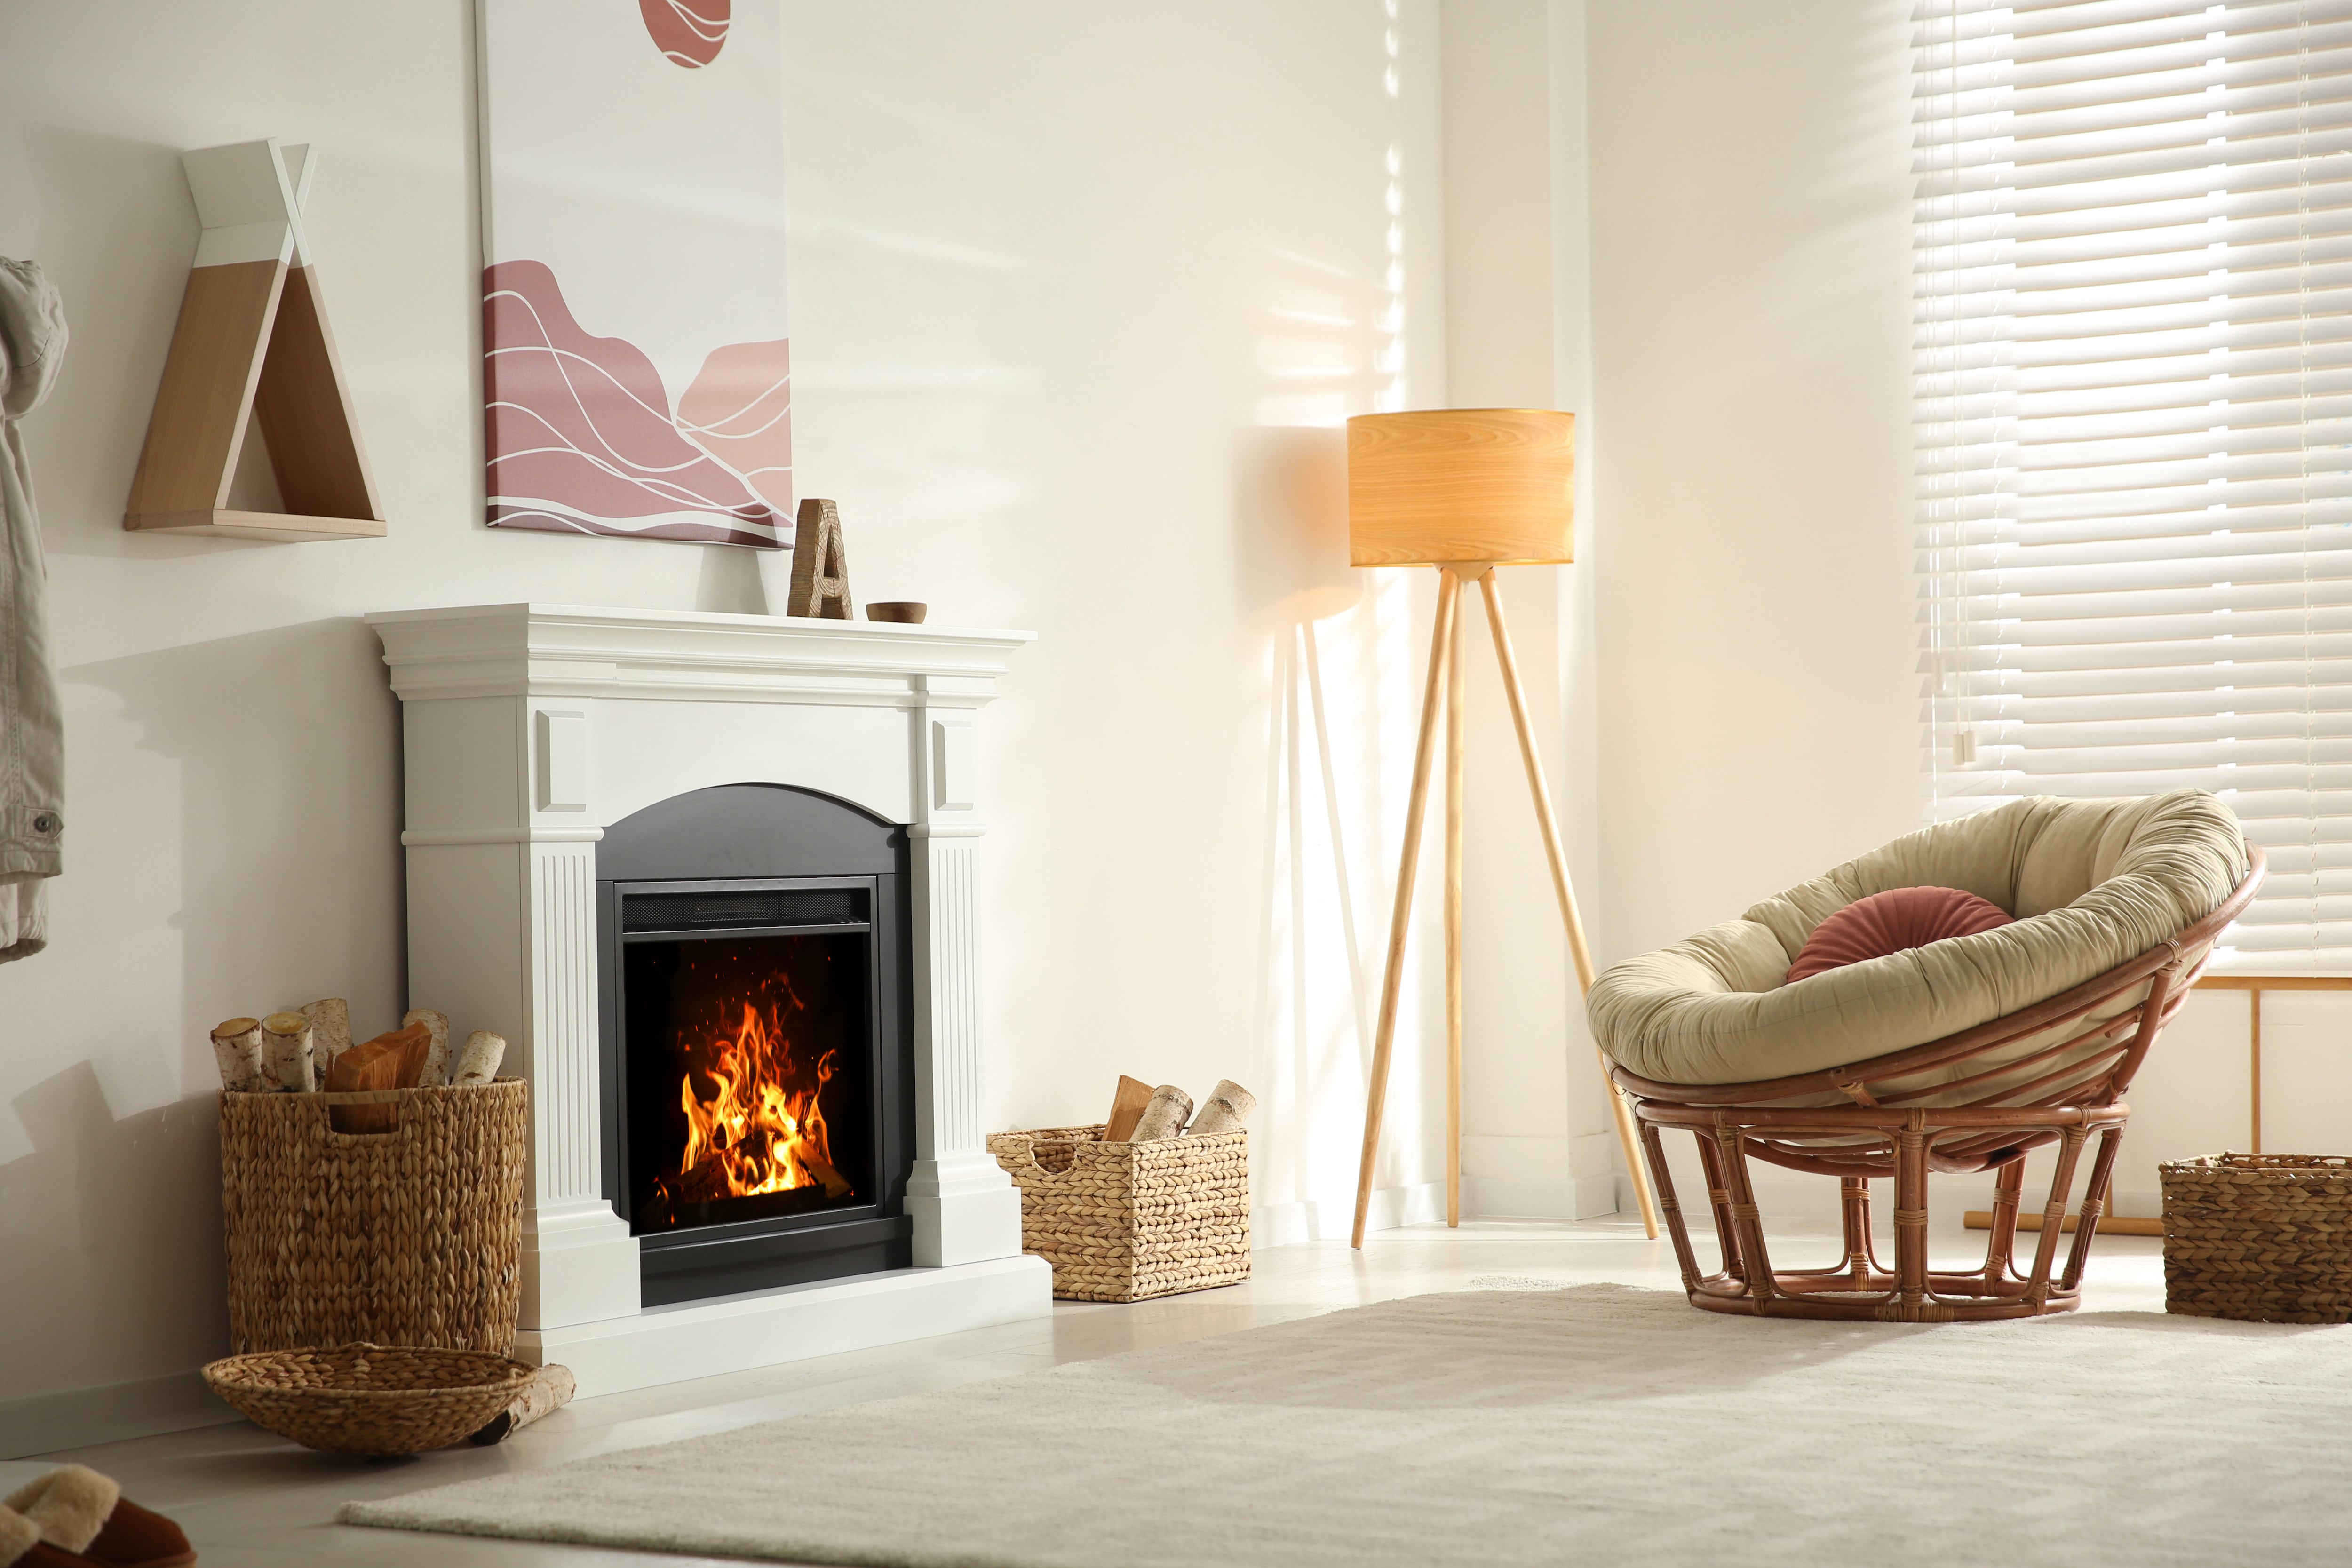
[[330, 1033], [479, 1062], [1165, 1116], [1125, 1109], [286, 1052], [836, 1186], [705, 1183], [755, 1119], [545, 1394], [1227, 1107], [236, 1047], [437, 1056]]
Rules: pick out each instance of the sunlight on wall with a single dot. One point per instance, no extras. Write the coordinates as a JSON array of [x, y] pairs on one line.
[[1341, 665]]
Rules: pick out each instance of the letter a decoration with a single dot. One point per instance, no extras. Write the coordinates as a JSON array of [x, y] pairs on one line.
[[636, 367]]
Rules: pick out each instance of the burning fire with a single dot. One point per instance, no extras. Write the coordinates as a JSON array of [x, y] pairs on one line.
[[752, 1134]]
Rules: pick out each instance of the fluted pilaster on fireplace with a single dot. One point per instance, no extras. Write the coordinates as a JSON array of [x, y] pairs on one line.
[[530, 728], [962, 1205]]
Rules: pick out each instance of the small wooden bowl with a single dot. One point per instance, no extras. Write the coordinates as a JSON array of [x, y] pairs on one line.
[[370, 1399], [908, 612]]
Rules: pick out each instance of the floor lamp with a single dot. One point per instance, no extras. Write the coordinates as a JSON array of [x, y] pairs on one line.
[[1464, 491]]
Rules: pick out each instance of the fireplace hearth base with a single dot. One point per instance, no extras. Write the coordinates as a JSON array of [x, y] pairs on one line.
[[735, 1333]]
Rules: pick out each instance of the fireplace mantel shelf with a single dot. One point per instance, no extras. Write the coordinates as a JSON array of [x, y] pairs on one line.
[[490, 650], [529, 729]]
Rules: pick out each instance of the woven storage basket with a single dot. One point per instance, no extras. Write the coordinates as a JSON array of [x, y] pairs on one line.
[[407, 1237], [370, 1399], [2265, 1237], [1122, 1222]]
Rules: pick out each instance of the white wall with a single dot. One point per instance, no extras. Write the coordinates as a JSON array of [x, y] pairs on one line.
[[1759, 709], [1079, 295], [1536, 1139]]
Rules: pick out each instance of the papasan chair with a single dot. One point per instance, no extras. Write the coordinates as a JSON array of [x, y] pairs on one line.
[[1959, 1056]]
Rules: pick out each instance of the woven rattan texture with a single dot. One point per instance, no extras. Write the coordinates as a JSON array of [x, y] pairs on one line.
[[1123, 1222], [2262, 1237], [407, 1237], [370, 1399]]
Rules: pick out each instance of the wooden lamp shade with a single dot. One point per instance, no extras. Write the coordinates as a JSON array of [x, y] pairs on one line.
[[1461, 485]]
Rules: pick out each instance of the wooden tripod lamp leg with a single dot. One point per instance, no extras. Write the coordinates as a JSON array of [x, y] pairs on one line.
[[1449, 594], [1454, 706], [1578, 950]]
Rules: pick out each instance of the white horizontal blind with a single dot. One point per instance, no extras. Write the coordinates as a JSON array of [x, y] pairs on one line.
[[2134, 420]]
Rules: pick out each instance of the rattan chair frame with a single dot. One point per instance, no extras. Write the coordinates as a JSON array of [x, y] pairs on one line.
[[1895, 1135]]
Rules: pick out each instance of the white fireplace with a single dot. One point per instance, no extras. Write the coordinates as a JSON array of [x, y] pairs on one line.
[[529, 730]]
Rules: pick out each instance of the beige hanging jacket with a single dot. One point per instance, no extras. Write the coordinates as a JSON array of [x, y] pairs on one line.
[[32, 739]]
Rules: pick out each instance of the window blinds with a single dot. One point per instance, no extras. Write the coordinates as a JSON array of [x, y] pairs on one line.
[[2133, 422]]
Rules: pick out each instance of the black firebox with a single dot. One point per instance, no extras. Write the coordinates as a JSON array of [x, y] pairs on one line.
[[758, 1048]]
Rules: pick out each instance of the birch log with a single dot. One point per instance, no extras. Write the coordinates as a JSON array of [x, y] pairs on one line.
[[550, 1390], [479, 1062], [436, 1055], [286, 1052], [1227, 1107], [330, 1033], [1165, 1116], [236, 1047]]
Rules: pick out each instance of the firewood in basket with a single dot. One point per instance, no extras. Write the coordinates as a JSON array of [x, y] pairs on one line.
[[286, 1053], [479, 1062], [550, 1390], [1227, 1107], [330, 1033], [1165, 1116], [236, 1047], [1126, 1109], [437, 1056], [381, 1063]]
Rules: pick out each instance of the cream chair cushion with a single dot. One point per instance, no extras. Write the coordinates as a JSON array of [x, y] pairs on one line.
[[2092, 883]]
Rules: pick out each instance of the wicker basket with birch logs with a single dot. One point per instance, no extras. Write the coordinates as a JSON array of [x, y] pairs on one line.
[[1126, 1221], [408, 1236]]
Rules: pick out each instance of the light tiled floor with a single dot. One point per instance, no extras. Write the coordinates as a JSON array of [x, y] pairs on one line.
[[245, 1496]]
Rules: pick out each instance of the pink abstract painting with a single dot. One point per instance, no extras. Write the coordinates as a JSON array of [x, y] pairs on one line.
[[688, 33], [583, 438]]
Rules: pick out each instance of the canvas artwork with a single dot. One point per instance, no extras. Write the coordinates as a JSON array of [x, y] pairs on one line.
[[637, 368]]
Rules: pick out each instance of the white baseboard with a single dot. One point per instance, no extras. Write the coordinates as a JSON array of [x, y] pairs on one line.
[[1284, 1225], [108, 1413], [1555, 1198], [1483, 1197]]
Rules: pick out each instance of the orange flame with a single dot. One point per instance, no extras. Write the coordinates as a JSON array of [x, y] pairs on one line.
[[758, 1135]]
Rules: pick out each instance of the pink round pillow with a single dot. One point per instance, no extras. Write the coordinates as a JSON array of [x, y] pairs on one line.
[[1892, 921]]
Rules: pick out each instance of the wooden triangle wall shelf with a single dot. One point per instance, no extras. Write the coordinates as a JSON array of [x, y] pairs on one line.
[[252, 345]]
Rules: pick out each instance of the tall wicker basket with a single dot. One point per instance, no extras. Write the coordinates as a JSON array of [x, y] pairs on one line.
[[1123, 1222], [2264, 1237], [407, 1237]]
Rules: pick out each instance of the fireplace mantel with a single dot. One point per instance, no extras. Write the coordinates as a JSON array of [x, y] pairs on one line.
[[529, 729]]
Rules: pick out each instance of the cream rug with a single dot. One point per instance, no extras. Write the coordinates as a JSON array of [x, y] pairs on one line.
[[1597, 1425]]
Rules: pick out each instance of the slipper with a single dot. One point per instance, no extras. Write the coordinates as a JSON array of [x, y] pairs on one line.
[[84, 1514], [21, 1546]]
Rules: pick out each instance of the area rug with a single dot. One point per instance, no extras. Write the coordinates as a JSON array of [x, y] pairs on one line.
[[1597, 1425]]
